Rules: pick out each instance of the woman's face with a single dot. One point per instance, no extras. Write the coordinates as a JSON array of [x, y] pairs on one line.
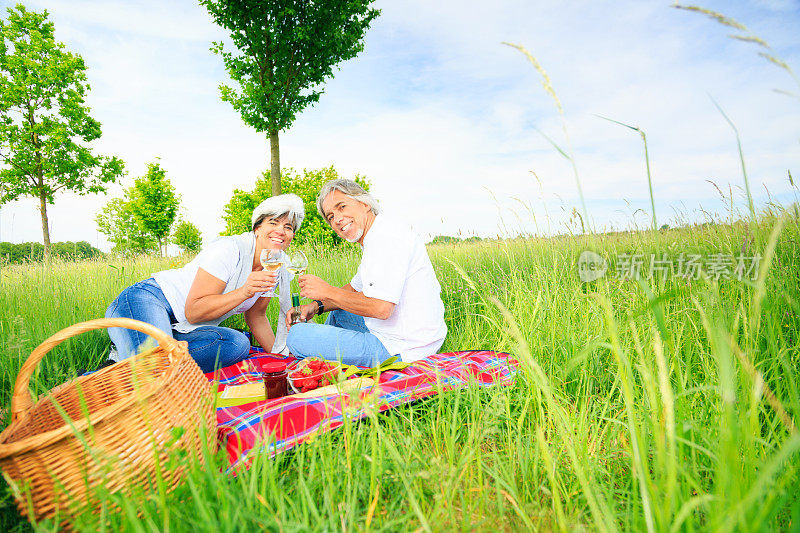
[[275, 233]]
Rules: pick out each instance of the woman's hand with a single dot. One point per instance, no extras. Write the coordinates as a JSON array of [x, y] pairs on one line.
[[314, 287], [260, 281]]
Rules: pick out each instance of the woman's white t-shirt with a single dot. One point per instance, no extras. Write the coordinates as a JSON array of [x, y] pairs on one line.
[[395, 268], [221, 259]]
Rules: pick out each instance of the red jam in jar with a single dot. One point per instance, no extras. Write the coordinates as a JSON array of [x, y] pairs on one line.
[[275, 379]]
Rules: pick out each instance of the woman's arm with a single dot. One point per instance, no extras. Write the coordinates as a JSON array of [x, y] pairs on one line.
[[206, 301], [259, 325]]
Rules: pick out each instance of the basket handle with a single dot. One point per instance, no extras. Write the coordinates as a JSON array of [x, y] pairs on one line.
[[21, 398]]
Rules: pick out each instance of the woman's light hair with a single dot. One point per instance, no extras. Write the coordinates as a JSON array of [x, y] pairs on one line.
[[349, 188], [290, 205]]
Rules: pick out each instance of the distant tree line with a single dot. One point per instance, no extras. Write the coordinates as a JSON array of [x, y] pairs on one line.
[[34, 251], [447, 239]]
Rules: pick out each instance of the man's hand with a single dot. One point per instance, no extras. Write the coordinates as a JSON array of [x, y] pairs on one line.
[[306, 313], [314, 287]]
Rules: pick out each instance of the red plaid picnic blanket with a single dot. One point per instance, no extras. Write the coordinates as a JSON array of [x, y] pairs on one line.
[[274, 426]]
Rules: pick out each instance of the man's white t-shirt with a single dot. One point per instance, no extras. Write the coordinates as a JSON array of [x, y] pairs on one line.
[[221, 259], [395, 267]]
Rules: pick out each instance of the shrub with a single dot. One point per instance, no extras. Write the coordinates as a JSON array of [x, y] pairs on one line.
[[306, 185], [188, 237]]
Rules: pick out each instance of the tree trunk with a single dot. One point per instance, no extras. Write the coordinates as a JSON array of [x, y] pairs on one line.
[[45, 228], [275, 157]]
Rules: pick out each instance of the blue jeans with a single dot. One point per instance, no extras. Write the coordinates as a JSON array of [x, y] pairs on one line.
[[210, 346], [343, 337]]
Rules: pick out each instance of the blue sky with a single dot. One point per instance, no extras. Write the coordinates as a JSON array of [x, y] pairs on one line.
[[446, 121]]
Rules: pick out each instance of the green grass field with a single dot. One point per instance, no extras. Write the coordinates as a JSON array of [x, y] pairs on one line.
[[666, 404]]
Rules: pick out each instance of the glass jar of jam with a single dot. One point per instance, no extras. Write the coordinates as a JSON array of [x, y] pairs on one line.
[[275, 379]]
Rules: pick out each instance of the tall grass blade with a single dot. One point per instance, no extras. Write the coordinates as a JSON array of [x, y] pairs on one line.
[[568, 153], [647, 164], [750, 204]]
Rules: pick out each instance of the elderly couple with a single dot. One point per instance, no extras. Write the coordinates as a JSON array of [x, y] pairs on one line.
[[391, 307]]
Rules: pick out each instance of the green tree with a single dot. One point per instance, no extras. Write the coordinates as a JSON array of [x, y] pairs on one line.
[[154, 203], [44, 122], [306, 185], [118, 223], [188, 237], [287, 49]]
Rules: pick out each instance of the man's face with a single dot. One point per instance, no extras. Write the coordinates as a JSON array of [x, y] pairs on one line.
[[349, 218]]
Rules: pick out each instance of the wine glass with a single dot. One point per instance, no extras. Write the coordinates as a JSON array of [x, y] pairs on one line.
[[298, 263], [271, 260]]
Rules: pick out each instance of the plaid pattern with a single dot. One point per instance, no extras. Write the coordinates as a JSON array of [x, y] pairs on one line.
[[277, 425]]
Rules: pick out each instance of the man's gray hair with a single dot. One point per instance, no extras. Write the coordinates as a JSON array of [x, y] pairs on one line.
[[349, 188]]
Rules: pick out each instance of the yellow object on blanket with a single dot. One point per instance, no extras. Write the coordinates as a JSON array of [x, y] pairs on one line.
[[349, 385], [249, 391], [254, 391]]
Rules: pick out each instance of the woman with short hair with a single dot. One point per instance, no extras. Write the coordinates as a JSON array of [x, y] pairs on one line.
[[225, 278]]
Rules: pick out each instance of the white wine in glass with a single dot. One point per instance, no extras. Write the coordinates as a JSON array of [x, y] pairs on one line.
[[298, 263], [271, 260]]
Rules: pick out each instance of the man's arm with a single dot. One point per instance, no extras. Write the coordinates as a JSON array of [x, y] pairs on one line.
[[346, 298]]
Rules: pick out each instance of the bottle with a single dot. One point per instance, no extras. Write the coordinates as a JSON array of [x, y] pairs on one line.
[[295, 306], [275, 380]]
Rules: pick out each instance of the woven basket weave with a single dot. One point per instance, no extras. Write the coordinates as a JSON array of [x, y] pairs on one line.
[[133, 408]]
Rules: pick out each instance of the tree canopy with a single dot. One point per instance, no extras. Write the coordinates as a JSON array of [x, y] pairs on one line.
[[286, 51], [154, 203], [118, 223], [188, 237], [45, 125], [141, 221], [306, 185]]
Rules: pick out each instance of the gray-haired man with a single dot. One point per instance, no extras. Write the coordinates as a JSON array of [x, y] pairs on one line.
[[392, 306]]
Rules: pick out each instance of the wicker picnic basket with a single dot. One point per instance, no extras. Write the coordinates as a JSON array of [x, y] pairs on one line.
[[56, 457]]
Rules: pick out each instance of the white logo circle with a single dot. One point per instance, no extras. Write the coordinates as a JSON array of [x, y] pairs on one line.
[[591, 266]]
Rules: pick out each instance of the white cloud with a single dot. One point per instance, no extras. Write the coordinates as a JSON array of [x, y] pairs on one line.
[[179, 21]]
